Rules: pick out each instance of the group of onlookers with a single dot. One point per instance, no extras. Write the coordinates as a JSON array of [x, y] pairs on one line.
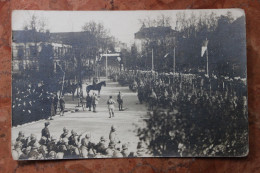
[[72, 145]]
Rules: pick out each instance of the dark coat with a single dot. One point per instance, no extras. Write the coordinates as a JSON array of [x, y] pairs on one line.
[[46, 132]]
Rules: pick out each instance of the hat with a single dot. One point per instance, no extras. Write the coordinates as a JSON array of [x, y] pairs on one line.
[[20, 133], [88, 135], [140, 145], [52, 154], [47, 123], [124, 146], [118, 147], [33, 136], [111, 144], [117, 154], [113, 128], [102, 138], [65, 129], [73, 132]]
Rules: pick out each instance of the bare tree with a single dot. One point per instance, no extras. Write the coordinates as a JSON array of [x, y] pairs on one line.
[[35, 30], [98, 31], [160, 21], [36, 23]]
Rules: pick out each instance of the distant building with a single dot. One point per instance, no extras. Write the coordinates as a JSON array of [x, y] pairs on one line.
[[154, 44], [27, 45], [155, 35]]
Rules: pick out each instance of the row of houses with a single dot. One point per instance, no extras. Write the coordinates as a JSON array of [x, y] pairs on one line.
[[27, 45], [66, 46]]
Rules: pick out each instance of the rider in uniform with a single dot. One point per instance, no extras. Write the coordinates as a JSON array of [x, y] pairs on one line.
[[95, 81]]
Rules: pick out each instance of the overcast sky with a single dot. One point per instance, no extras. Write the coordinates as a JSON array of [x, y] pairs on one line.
[[122, 24]]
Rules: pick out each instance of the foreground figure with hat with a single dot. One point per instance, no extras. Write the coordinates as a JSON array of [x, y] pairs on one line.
[[72, 146], [45, 130], [113, 135]]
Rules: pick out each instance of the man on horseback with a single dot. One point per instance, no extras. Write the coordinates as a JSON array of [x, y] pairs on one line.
[[95, 81], [96, 87]]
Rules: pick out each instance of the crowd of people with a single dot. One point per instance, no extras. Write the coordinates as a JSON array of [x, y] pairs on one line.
[[167, 90], [200, 103], [34, 101], [71, 145], [202, 112]]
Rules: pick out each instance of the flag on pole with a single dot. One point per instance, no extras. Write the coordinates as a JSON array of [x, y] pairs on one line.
[[204, 47], [165, 56]]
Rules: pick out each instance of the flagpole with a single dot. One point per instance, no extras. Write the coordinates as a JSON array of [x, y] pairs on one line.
[[106, 65], [204, 50], [207, 62], [152, 59], [174, 60]]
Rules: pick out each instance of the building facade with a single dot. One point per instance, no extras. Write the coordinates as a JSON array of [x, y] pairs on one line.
[[26, 55]]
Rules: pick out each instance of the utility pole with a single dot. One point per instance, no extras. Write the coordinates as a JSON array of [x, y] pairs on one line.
[[174, 60], [106, 64], [207, 54], [152, 60]]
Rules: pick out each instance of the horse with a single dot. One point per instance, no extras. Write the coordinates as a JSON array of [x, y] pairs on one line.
[[96, 87], [71, 89]]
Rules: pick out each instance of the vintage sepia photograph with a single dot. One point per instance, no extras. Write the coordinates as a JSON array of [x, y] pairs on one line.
[[120, 84]]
